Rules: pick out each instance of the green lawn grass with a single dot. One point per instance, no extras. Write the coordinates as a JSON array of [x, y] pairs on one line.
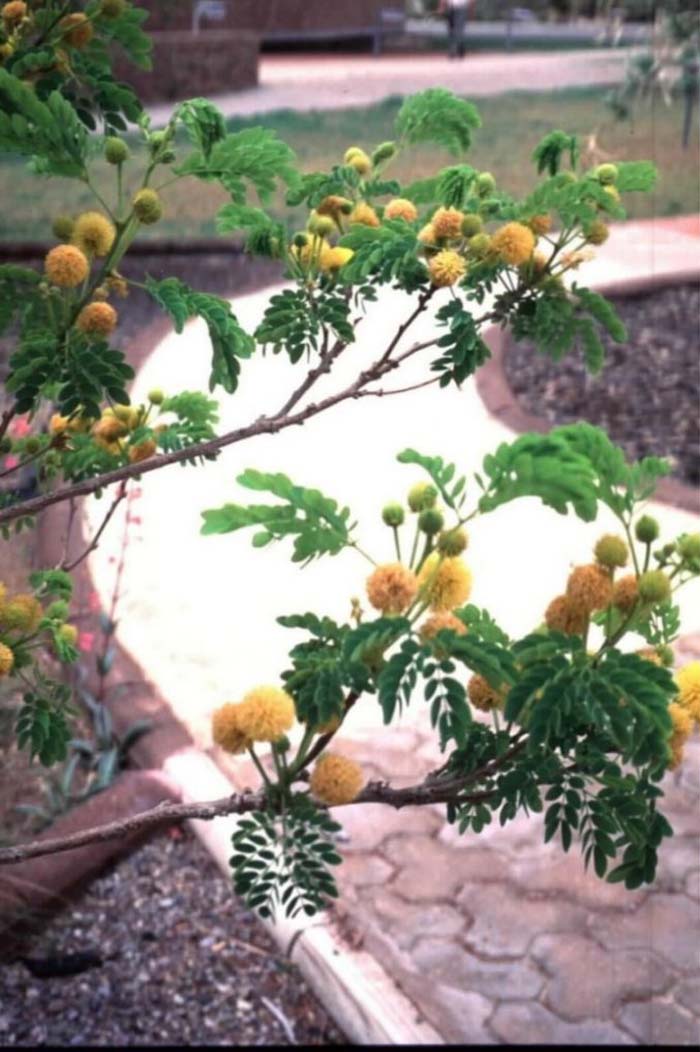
[[512, 125]]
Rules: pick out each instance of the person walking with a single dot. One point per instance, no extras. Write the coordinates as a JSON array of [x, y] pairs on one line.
[[456, 13]]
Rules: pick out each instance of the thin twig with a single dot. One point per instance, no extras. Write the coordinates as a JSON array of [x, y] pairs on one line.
[[98, 534]]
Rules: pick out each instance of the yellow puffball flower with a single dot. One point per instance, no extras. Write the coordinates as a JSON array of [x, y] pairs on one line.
[[69, 634], [97, 319], [266, 714], [437, 622], [22, 613], [597, 232], [66, 266], [226, 730], [688, 680], [108, 429], [7, 660], [565, 615], [682, 723], [514, 243], [335, 258], [611, 551], [401, 208], [93, 233], [540, 224], [77, 30], [445, 584], [336, 780], [446, 268], [391, 588], [447, 223], [365, 214], [483, 696], [13, 12], [142, 451], [358, 159], [58, 424], [590, 586], [625, 593]]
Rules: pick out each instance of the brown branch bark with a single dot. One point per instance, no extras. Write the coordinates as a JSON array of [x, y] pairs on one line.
[[262, 426], [373, 793]]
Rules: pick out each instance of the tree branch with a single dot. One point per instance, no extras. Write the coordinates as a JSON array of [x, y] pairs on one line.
[[264, 425], [373, 793], [121, 494]]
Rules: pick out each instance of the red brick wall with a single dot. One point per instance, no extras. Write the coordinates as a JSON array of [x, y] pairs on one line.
[[268, 15], [185, 65]]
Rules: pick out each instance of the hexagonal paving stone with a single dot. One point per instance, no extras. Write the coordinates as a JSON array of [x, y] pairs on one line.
[[426, 865], [587, 981], [667, 924], [677, 857], [505, 922], [659, 1023], [566, 876], [367, 827], [443, 961], [530, 1024], [687, 993], [459, 1015], [405, 922], [362, 870]]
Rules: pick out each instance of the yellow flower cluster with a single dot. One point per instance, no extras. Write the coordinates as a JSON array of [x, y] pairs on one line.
[[682, 728], [446, 268], [483, 696], [264, 715], [97, 319], [688, 682], [625, 593], [565, 615], [590, 587], [401, 208], [444, 583], [7, 660], [20, 613], [437, 622], [93, 234], [77, 30], [66, 266], [336, 779], [513, 243], [391, 588]]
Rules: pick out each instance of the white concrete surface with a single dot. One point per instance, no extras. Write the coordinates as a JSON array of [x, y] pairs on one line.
[[199, 613]]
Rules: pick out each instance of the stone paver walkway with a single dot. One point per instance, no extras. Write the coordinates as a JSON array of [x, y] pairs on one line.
[[496, 938], [334, 81]]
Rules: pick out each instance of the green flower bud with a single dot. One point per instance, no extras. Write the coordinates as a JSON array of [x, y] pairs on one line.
[[300, 239], [422, 496], [384, 152], [646, 530], [565, 178], [654, 586], [112, 8], [479, 245], [393, 514], [58, 610], [485, 184], [156, 396], [607, 174], [6, 445], [147, 206], [452, 542], [320, 225], [282, 744], [116, 150], [472, 224], [431, 521], [689, 546], [490, 206], [62, 227], [611, 551], [32, 445]]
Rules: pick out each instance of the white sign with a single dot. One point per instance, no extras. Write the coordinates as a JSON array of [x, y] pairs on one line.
[[213, 10]]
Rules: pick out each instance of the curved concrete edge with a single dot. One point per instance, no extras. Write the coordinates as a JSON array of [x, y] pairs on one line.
[[38, 886], [354, 988], [363, 999], [498, 397]]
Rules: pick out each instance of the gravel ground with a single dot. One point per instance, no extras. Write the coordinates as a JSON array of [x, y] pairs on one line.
[[647, 394], [183, 962]]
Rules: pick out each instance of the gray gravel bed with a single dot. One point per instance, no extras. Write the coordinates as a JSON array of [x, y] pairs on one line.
[[183, 963], [647, 394]]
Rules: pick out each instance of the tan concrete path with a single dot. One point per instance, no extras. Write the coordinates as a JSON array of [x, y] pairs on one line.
[[324, 82], [495, 938]]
